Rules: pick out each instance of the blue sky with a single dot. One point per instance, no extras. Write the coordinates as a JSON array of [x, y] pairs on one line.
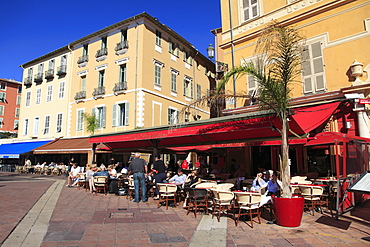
[[30, 29]]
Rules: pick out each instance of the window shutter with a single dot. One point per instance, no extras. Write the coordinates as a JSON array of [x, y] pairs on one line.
[[192, 91], [170, 46], [169, 115], [184, 59], [1, 110], [114, 115], [184, 87], [307, 85], [176, 117], [103, 117], [320, 85], [127, 113], [93, 112]]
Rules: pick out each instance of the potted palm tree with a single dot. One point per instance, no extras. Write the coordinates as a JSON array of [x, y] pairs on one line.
[[278, 65]]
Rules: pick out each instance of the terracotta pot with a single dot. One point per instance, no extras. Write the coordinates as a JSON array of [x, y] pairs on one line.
[[288, 211]]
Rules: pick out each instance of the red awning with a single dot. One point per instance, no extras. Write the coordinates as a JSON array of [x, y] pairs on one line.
[[327, 138], [309, 118], [198, 133]]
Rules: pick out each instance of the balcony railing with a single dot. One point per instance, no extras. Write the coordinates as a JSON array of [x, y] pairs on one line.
[[80, 95], [99, 91], [83, 59], [49, 74], [120, 86], [38, 77], [121, 45], [62, 70], [28, 80], [101, 52]]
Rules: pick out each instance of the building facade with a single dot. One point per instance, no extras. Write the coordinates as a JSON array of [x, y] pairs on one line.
[[10, 101]]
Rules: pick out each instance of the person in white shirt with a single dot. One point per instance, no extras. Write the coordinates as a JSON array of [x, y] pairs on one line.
[[73, 174], [179, 178]]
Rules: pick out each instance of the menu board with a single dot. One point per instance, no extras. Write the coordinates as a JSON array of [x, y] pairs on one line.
[[362, 185]]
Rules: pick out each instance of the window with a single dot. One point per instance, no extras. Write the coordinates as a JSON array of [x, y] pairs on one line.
[[80, 120], [1, 122], [187, 116], [30, 73], [123, 34], [101, 78], [122, 73], [85, 49], [19, 89], [59, 122], [172, 116], [173, 48], [16, 124], [158, 38], [250, 9], [40, 68], [47, 125], [188, 87], [2, 85], [49, 93], [187, 58], [157, 74], [199, 91], [51, 64], [1, 110], [18, 100], [2, 97], [63, 60], [38, 96], [104, 43], [313, 68], [36, 126], [120, 114], [28, 98], [83, 83], [25, 125], [61, 89], [17, 111], [173, 80], [99, 112]]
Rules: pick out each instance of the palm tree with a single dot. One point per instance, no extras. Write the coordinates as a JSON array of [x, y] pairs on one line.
[[277, 66], [91, 122]]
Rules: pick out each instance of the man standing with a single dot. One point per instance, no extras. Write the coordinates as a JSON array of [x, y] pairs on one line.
[[139, 169], [160, 173]]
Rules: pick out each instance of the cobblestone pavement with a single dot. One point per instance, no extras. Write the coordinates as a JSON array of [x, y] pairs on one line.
[[84, 219]]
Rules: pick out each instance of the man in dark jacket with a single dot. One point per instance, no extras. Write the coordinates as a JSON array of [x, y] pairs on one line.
[[160, 172], [139, 169]]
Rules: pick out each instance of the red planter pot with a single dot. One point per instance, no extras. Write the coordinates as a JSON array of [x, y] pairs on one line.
[[288, 211]]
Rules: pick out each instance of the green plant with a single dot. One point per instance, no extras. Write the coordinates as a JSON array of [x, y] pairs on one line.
[[278, 64], [91, 121]]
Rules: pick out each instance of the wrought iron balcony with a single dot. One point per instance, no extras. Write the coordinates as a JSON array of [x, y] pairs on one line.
[[49, 74], [120, 86], [83, 59], [121, 45], [38, 77], [101, 52], [80, 95], [99, 91], [62, 70], [28, 80]]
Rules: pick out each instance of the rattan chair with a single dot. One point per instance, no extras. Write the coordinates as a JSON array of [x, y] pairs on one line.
[[101, 184], [222, 202], [249, 202], [197, 198], [167, 193], [312, 196]]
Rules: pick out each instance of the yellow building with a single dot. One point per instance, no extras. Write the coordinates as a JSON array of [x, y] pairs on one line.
[[337, 34], [136, 73]]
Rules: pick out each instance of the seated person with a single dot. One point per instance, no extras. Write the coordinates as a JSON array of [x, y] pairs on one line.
[[178, 179], [112, 172], [258, 182], [89, 178], [192, 180], [73, 174], [272, 188], [101, 172]]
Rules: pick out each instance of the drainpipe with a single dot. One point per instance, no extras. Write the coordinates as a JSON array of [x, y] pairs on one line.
[[232, 51]]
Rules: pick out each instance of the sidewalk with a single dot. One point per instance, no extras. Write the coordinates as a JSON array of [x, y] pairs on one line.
[[84, 219]]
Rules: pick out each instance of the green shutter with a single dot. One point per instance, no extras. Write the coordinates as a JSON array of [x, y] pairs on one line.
[[127, 113], [103, 117], [114, 115]]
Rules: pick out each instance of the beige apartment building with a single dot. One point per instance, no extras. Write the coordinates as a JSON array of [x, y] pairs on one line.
[[134, 74]]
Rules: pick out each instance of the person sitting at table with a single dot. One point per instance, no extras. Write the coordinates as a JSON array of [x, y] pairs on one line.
[[73, 174], [258, 182], [178, 179], [192, 180], [101, 172], [112, 172], [273, 187]]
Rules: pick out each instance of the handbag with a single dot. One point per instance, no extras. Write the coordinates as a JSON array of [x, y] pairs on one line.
[[121, 192]]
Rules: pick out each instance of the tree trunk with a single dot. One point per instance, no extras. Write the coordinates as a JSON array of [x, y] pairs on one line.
[[285, 164]]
